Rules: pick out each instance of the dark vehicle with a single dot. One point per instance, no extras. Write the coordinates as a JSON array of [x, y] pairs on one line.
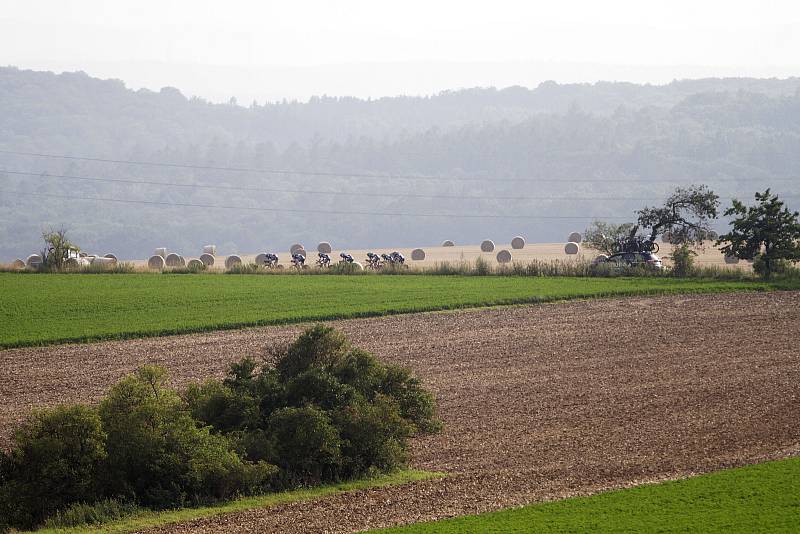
[[634, 259]]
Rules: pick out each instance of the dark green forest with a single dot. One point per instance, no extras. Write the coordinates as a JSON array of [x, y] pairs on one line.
[[540, 162]]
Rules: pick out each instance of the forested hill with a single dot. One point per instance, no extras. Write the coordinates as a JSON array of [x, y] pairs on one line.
[[73, 112], [561, 141]]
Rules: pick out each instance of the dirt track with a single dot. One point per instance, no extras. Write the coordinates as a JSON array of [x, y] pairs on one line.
[[539, 402]]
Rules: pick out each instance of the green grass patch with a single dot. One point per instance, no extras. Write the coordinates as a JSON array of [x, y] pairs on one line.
[[758, 498], [145, 520], [59, 308]]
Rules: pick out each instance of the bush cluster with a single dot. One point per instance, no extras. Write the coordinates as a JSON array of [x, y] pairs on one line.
[[324, 412]]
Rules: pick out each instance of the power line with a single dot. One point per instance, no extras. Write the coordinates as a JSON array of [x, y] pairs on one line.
[[309, 191], [138, 181], [294, 210], [331, 174]]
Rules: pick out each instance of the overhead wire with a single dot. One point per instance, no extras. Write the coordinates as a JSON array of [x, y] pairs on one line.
[[332, 174], [299, 210], [137, 181]]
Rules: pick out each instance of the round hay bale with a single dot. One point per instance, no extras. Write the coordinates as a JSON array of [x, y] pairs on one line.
[[324, 247], [175, 260], [448, 243], [358, 265], [156, 262], [210, 249], [487, 246], [417, 254], [731, 260], [232, 260], [111, 257], [574, 237], [97, 260], [296, 247], [572, 248], [207, 259], [18, 264], [518, 242], [162, 251], [504, 256], [195, 264], [261, 259], [302, 251], [34, 260], [602, 258]]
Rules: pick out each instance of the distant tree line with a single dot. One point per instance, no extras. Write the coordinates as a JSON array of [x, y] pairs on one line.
[[745, 134]]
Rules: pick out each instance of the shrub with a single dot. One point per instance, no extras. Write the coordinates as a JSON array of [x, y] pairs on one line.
[[216, 404], [307, 445], [343, 268], [683, 261], [362, 371], [57, 247], [320, 388], [415, 403], [104, 268], [157, 453], [82, 514], [776, 266], [318, 346], [482, 267], [55, 461], [327, 410], [247, 268], [603, 236], [374, 436]]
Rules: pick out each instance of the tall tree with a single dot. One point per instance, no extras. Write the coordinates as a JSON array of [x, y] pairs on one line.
[[767, 231], [604, 236], [686, 215]]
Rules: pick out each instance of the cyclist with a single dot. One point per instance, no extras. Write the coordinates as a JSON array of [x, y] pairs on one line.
[[373, 260], [298, 260], [270, 260], [397, 258]]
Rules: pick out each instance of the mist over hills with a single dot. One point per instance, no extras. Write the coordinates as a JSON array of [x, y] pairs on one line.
[[564, 143]]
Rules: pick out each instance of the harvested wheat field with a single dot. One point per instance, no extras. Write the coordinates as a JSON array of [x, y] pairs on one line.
[[707, 256], [539, 402]]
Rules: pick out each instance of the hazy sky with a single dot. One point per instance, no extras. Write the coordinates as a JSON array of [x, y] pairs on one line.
[[265, 49]]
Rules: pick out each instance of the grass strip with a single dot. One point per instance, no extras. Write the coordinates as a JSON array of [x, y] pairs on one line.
[[63, 308], [145, 520], [757, 498]]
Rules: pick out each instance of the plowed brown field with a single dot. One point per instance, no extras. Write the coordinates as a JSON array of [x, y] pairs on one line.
[[539, 402]]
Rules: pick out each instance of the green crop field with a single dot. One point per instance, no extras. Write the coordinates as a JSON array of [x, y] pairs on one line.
[[56, 308], [759, 498]]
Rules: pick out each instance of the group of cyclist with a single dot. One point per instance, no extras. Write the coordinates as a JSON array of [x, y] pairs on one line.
[[374, 261]]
